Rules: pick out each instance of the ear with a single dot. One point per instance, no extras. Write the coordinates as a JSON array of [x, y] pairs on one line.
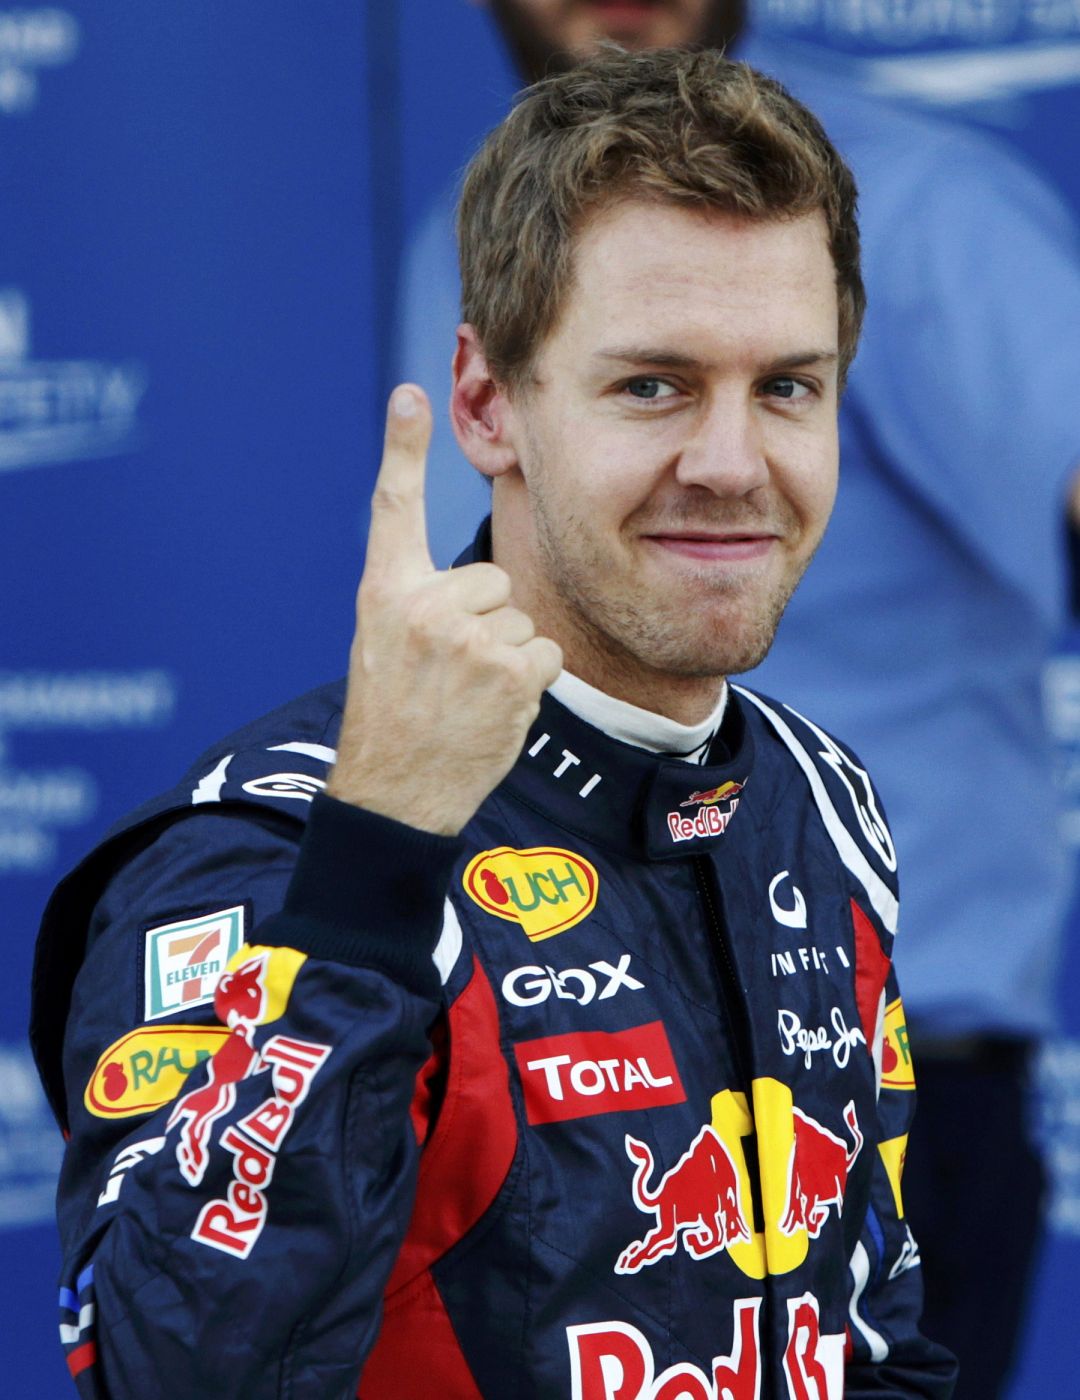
[[479, 409]]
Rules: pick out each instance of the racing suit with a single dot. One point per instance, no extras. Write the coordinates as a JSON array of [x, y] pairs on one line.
[[607, 1098]]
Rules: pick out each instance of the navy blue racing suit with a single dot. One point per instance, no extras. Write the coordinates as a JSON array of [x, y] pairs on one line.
[[607, 1098]]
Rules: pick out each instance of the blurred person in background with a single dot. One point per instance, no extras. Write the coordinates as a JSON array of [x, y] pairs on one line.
[[921, 631]]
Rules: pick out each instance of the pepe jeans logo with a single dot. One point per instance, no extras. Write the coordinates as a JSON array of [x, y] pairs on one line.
[[544, 889]]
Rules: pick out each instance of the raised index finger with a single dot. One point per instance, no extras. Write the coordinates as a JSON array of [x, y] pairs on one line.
[[397, 536]]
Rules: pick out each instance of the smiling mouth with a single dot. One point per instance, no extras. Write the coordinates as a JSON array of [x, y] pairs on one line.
[[726, 549]]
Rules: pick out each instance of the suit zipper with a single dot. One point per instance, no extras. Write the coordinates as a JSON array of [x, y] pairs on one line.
[[734, 1002]]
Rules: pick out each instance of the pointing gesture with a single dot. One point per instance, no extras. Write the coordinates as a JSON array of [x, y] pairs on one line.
[[445, 675]]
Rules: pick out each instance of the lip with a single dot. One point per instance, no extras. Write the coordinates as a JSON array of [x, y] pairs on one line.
[[721, 549]]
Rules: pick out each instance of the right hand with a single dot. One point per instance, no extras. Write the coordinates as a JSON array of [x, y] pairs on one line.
[[445, 675]]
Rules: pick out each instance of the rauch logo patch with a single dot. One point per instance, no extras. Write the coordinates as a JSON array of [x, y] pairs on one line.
[[544, 889], [147, 1068], [897, 1070]]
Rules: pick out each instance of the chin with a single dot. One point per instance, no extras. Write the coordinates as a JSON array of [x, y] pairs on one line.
[[718, 653]]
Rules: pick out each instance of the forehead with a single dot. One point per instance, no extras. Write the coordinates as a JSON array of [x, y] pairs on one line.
[[706, 281]]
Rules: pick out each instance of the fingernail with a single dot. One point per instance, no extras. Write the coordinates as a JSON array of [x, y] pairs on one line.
[[405, 403]]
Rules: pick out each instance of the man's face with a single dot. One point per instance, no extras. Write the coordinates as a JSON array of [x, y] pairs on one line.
[[676, 453], [549, 35]]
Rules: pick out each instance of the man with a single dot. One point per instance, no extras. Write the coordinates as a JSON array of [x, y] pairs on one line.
[[921, 631], [511, 1092]]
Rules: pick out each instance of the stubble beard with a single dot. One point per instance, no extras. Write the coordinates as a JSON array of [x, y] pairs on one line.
[[717, 629]]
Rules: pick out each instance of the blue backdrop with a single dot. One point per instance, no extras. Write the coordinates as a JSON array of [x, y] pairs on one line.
[[204, 205]]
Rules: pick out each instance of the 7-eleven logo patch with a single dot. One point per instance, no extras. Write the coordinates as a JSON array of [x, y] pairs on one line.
[[183, 960]]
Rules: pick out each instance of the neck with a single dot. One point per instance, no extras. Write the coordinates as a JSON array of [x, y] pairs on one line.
[[633, 725], [684, 699]]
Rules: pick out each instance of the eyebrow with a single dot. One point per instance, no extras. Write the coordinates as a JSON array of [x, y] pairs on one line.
[[672, 359]]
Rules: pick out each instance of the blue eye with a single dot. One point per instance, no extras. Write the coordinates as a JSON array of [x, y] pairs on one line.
[[785, 388], [648, 387]]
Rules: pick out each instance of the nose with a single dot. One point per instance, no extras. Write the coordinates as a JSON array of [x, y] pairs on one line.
[[725, 452]]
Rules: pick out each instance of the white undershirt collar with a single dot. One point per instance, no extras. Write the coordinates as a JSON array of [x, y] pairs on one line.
[[633, 725]]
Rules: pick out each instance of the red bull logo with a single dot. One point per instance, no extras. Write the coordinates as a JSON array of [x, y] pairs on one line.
[[818, 1172], [697, 1201], [713, 795], [614, 1361], [253, 990], [716, 807], [233, 1223]]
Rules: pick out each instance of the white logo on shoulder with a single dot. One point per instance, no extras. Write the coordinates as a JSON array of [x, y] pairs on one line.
[[863, 798], [795, 1038], [298, 785], [795, 917]]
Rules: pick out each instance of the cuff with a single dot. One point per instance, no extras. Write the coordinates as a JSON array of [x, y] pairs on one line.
[[367, 891]]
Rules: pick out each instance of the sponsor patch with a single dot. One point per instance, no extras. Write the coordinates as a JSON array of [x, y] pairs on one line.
[[147, 1068], [716, 807], [697, 1200], [544, 889], [183, 960], [610, 1359], [897, 1069], [298, 786], [530, 985], [590, 1072], [808, 1041], [232, 1223]]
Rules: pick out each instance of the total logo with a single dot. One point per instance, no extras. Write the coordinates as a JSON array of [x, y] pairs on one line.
[[717, 807], [703, 1202], [591, 1072], [544, 889], [614, 1361], [531, 985]]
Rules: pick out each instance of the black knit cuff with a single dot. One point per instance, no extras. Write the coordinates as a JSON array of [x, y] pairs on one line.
[[367, 891]]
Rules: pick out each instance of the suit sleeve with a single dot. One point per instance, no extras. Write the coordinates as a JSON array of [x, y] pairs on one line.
[[236, 1240], [888, 1357]]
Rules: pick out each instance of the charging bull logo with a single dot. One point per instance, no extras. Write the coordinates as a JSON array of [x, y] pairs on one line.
[[758, 1183], [254, 990], [697, 1201], [711, 796], [818, 1172]]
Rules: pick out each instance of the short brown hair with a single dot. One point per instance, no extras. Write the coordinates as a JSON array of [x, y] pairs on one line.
[[673, 125]]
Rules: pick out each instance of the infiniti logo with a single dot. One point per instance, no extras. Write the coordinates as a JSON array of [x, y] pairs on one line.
[[793, 917]]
